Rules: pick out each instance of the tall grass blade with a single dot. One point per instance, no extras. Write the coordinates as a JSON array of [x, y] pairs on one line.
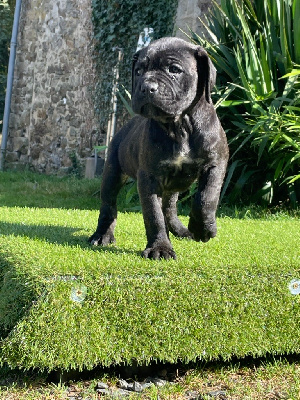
[[296, 27], [126, 103], [224, 96], [283, 35], [240, 183], [267, 73], [230, 172], [262, 147], [278, 170], [244, 79], [226, 17], [293, 179], [247, 138]]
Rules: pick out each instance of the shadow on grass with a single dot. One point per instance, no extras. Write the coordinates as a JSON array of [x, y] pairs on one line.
[[60, 235], [16, 296], [212, 372]]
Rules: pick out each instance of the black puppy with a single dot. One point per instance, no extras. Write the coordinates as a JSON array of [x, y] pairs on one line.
[[176, 140]]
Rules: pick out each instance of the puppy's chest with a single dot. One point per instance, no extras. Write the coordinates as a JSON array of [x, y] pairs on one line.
[[180, 168], [179, 156]]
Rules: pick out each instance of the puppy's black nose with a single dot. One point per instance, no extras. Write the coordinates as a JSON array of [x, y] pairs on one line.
[[149, 87]]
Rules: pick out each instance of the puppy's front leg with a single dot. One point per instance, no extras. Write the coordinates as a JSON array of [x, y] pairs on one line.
[[112, 182], [158, 245], [170, 212], [203, 213]]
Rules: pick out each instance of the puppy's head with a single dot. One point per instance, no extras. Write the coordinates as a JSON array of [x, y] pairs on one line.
[[169, 77]]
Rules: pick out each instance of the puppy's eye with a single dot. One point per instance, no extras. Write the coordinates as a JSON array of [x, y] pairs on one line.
[[173, 69], [138, 72]]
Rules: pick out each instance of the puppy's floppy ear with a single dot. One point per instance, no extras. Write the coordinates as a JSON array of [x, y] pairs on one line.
[[207, 73], [134, 60]]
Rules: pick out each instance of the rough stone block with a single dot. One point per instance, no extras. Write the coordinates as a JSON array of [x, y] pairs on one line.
[[35, 151], [75, 122], [20, 144], [11, 156], [14, 133], [25, 118], [24, 159], [73, 131], [42, 113], [13, 121]]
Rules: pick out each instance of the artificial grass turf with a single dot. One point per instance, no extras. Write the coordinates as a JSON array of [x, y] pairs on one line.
[[66, 305]]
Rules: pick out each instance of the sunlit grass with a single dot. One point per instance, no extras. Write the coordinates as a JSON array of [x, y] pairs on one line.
[[64, 304]]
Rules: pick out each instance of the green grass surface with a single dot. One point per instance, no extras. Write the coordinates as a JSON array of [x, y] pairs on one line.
[[66, 305]]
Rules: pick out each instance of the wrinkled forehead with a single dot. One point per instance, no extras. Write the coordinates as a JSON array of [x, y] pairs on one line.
[[166, 55], [170, 43]]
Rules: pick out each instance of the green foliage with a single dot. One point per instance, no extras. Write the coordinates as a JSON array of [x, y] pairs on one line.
[[126, 100], [254, 45], [76, 169], [66, 305], [6, 20], [117, 24]]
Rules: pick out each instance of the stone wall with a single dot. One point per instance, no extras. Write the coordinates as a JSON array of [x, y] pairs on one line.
[[188, 13], [52, 114]]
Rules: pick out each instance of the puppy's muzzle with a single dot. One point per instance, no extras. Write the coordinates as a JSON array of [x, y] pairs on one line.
[[149, 88]]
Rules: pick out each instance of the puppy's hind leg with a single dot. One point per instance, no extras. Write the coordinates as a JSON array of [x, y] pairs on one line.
[[112, 181], [175, 226]]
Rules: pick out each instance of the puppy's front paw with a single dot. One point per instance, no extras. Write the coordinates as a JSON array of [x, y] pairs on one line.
[[202, 231], [185, 234], [182, 232], [158, 251], [102, 240]]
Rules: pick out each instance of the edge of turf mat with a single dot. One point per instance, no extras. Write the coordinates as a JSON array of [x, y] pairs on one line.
[[66, 305]]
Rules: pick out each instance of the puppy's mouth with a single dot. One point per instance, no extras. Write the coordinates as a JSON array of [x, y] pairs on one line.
[[148, 110]]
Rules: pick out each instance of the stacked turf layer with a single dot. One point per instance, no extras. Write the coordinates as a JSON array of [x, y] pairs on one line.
[[66, 305]]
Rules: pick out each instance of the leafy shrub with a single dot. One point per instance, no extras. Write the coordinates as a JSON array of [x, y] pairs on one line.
[[255, 45]]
